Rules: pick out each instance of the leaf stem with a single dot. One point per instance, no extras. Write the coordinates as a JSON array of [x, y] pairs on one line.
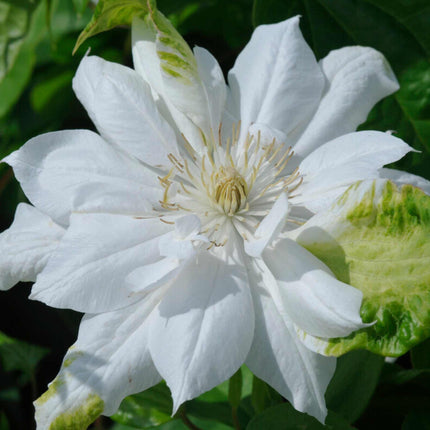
[[188, 423], [236, 422]]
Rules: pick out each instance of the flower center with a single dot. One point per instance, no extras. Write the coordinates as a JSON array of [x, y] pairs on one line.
[[230, 189]]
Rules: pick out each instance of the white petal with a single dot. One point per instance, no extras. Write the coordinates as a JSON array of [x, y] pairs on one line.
[[109, 361], [213, 85], [279, 358], [188, 226], [267, 134], [172, 246], [145, 58], [276, 79], [153, 275], [120, 104], [26, 246], [75, 170], [194, 93], [202, 330], [357, 78], [316, 344], [190, 92], [311, 296], [332, 168], [269, 228], [87, 271], [401, 178], [147, 64], [327, 225]]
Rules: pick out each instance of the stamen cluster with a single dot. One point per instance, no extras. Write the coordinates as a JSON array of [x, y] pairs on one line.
[[232, 181]]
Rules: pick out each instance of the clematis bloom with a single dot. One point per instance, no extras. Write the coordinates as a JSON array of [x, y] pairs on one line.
[[167, 229]]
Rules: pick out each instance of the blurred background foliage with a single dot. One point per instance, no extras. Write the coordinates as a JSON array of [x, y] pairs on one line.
[[36, 72]]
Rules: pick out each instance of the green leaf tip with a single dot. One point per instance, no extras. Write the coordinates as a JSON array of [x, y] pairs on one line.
[[377, 239], [112, 13]]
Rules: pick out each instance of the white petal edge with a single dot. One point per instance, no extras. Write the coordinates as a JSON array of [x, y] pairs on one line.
[[109, 361], [276, 79], [402, 178], [357, 78], [213, 85], [27, 245], [332, 168], [269, 228], [76, 170], [147, 64], [88, 270], [310, 294], [280, 359], [151, 276], [315, 344], [329, 224], [207, 319], [120, 104]]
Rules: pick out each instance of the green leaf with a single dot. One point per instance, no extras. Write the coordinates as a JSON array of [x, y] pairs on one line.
[[376, 238], [402, 376], [413, 14], [260, 395], [397, 28], [417, 420], [215, 404], [420, 356], [407, 113], [214, 411], [352, 386], [223, 24], [18, 72], [414, 100], [19, 355], [263, 395], [235, 389], [217, 394], [393, 29], [369, 25], [147, 409], [112, 13], [9, 395], [45, 93], [207, 425], [268, 11], [4, 425], [15, 81], [80, 5], [285, 417], [15, 17]]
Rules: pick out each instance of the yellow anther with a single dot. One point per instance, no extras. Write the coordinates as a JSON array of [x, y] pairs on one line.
[[230, 189]]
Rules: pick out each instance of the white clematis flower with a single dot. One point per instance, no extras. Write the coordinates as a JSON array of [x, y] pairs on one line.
[[166, 229]]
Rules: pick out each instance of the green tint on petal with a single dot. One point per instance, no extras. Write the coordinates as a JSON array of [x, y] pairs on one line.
[[112, 13], [376, 238], [176, 57], [80, 418], [71, 418], [74, 419]]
